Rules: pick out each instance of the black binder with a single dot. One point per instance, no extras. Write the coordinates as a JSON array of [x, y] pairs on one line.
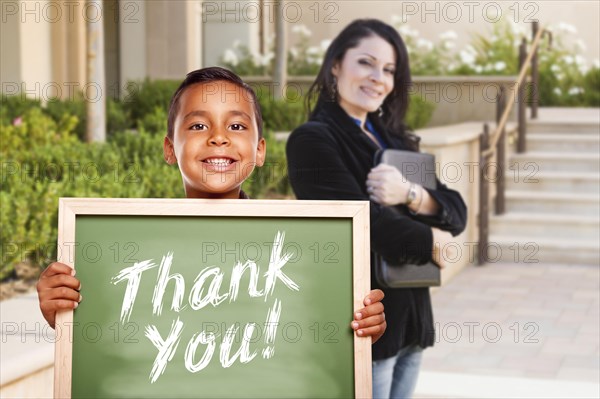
[[417, 168]]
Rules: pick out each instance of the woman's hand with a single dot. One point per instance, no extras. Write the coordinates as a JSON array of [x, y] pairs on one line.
[[387, 186], [443, 253], [370, 320], [57, 289]]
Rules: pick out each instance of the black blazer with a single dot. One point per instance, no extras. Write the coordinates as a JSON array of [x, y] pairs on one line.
[[329, 158]]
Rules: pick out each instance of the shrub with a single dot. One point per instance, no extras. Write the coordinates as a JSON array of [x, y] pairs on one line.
[[270, 181], [142, 98], [117, 118], [419, 112], [154, 122], [285, 114], [44, 160], [15, 106]]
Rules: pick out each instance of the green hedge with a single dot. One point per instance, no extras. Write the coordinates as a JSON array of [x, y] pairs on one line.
[[43, 160]]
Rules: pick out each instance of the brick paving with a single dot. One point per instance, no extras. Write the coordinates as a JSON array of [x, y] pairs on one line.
[[521, 322]]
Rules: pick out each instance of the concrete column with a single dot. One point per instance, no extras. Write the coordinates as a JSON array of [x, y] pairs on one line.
[[133, 42], [10, 49], [96, 88]]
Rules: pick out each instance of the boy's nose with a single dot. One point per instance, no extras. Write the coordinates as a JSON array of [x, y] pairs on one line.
[[218, 139]]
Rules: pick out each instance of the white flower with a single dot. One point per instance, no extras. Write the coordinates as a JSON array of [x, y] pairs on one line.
[[452, 66], [312, 50], [517, 30], [493, 39], [449, 35], [425, 44], [583, 69], [478, 69], [568, 59], [559, 76], [302, 30], [557, 91], [324, 45], [580, 44], [398, 20], [314, 60], [256, 58], [555, 68], [500, 66], [488, 67], [596, 63], [562, 26], [265, 60], [406, 31], [579, 60], [449, 45], [573, 91], [229, 57], [467, 57]]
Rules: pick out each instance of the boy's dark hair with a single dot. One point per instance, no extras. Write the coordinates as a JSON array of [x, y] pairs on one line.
[[207, 75]]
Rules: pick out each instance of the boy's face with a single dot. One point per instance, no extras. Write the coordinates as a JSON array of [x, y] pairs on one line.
[[215, 140]]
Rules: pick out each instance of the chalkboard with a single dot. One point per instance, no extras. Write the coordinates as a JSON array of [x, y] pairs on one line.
[[214, 298]]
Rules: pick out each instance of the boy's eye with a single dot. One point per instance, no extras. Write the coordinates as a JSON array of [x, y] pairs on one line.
[[364, 62], [237, 126], [198, 126], [390, 71]]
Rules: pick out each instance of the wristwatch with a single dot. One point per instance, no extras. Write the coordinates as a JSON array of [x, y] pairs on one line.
[[412, 194]]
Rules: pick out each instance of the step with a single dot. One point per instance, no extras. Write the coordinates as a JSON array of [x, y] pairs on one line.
[[567, 120], [535, 162], [553, 142], [572, 182], [591, 128], [553, 202], [550, 225], [527, 250]]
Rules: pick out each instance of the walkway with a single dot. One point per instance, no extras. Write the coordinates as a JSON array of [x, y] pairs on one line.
[[516, 330]]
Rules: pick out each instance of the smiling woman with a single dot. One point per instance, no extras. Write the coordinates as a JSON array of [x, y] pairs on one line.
[[361, 96]]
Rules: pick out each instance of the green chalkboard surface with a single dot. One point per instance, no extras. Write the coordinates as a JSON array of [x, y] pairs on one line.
[[242, 306]]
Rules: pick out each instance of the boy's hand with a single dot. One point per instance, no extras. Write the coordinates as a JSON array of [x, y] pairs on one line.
[[57, 289], [370, 320]]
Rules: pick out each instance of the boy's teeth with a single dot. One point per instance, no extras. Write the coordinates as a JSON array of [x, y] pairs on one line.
[[219, 161]]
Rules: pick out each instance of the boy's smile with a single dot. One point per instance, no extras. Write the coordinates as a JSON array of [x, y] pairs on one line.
[[215, 141]]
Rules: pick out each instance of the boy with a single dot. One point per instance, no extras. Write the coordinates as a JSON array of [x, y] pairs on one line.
[[214, 134]]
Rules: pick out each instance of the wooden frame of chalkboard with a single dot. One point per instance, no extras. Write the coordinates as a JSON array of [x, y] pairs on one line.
[[74, 211]]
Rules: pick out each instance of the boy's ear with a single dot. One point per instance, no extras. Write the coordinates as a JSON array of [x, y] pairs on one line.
[[168, 151], [261, 152]]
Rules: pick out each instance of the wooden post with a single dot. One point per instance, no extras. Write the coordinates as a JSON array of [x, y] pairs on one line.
[[521, 101], [535, 75], [500, 155], [483, 198]]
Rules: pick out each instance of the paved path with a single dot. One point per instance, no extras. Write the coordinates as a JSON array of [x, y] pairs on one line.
[[516, 330]]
